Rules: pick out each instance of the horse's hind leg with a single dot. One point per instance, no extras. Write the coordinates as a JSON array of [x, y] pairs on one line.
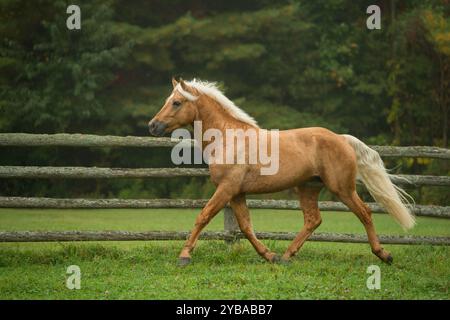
[[364, 214], [308, 197], [240, 210]]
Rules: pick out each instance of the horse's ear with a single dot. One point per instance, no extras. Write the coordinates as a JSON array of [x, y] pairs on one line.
[[174, 82], [189, 89], [184, 85]]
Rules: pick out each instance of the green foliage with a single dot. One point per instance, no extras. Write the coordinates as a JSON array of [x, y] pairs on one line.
[[54, 82], [288, 63]]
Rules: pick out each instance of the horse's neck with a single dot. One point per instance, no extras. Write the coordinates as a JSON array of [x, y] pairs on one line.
[[213, 116]]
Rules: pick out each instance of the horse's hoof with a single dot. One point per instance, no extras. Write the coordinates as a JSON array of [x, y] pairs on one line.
[[277, 259], [183, 261], [284, 261], [389, 259]]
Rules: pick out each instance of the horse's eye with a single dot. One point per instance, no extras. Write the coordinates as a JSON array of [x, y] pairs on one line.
[[176, 103]]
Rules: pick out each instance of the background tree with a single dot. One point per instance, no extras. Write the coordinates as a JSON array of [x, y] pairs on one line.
[[288, 63]]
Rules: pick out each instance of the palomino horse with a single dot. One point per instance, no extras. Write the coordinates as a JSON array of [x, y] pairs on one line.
[[303, 154]]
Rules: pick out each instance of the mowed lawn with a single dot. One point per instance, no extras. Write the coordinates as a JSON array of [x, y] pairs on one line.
[[148, 270]]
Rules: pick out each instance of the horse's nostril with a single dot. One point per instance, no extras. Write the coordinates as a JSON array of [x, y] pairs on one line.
[[151, 126], [156, 127]]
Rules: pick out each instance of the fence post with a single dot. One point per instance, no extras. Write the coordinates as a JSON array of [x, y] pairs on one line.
[[230, 224]]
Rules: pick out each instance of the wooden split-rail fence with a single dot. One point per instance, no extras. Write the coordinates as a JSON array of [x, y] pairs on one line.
[[231, 231]]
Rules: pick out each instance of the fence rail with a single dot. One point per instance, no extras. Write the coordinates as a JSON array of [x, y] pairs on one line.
[[55, 203], [82, 140], [110, 173], [89, 140], [39, 236], [230, 232]]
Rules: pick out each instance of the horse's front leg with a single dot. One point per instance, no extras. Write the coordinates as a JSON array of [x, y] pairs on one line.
[[220, 198]]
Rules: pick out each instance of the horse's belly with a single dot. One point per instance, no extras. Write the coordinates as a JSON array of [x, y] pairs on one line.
[[257, 183]]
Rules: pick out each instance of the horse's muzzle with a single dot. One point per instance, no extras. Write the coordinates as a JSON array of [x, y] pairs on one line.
[[157, 128]]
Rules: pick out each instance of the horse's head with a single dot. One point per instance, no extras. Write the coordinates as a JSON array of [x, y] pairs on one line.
[[179, 110]]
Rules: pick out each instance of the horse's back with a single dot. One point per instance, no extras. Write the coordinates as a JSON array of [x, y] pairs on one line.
[[319, 150], [314, 141], [312, 133]]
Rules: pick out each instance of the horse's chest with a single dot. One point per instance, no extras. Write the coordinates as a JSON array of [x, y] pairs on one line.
[[227, 173]]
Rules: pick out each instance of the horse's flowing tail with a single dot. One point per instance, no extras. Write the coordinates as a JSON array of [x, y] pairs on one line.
[[373, 174]]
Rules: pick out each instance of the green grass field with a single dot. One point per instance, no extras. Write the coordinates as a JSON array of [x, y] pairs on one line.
[[148, 270]]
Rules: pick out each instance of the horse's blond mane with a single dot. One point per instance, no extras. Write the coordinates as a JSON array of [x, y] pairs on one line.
[[211, 90]]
